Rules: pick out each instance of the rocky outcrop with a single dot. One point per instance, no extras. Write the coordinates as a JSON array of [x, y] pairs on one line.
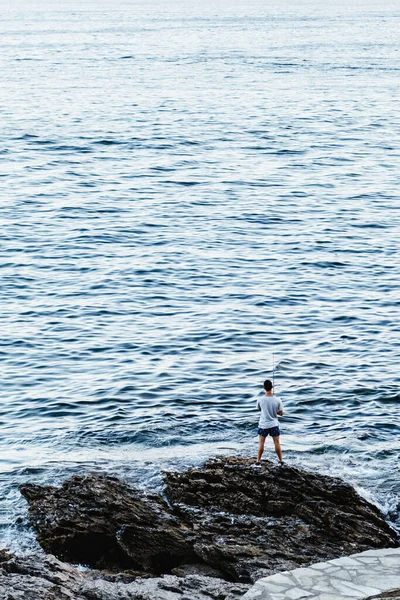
[[38, 578], [254, 522], [46, 578], [242, 522], [101, 522]]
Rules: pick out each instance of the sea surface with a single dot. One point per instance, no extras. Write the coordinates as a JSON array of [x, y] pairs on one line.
[[195, 194]]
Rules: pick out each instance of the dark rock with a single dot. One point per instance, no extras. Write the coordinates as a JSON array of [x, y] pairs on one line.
[[101, 522], [393, 595], [198, 569], [242, 522], [254, 522]]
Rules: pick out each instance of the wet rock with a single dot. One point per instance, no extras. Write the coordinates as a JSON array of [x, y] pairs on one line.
[[101, 522], [243, 523], [254, 522]]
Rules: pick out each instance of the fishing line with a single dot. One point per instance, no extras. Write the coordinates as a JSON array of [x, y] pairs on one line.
[[273, 370]]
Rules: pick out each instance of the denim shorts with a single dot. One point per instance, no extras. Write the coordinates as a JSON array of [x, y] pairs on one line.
[[272, 431]]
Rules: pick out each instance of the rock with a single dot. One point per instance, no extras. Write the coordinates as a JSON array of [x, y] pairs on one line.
[[243, 523], [393, 595], [255, 522], [38, 577], [197, 569], [101, 522], [169, 587]]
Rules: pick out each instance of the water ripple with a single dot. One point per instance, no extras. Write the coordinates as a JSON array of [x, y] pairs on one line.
[[192, 195]]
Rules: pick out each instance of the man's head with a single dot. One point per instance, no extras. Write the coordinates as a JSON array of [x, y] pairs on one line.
[[268, 385]]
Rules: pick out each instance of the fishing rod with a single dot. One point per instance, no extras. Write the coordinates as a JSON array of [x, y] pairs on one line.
[[273, 370]]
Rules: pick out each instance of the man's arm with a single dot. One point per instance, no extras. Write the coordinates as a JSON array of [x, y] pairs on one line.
[[280, 408]]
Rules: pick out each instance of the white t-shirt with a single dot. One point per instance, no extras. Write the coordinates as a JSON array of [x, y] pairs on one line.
[[269, 411]]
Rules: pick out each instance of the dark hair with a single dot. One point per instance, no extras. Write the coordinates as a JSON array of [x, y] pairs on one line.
[[268, 385]]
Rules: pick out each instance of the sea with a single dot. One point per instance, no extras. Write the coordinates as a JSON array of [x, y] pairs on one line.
[[197, 196]]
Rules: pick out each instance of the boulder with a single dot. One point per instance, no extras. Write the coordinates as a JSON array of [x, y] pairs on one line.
[[253, 522], [243, 523], [102, 523], [39, 577]]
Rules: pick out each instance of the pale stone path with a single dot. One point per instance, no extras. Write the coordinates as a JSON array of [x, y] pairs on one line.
[[352, 577]]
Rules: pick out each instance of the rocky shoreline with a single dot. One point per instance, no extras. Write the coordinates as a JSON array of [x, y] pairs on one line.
[[213, 532]]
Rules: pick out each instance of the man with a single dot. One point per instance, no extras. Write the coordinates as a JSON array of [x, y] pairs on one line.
[[270, 407]]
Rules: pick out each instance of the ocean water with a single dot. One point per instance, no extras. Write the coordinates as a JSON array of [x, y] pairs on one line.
[[194, 193]]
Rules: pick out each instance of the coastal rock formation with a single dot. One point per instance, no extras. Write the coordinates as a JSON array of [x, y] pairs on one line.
[[255, 522], [46, 578], [101, 522], [242, 522], [38, 578]]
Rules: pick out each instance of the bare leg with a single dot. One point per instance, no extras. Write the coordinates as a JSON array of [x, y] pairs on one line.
[[261, 442], [278, 447]]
